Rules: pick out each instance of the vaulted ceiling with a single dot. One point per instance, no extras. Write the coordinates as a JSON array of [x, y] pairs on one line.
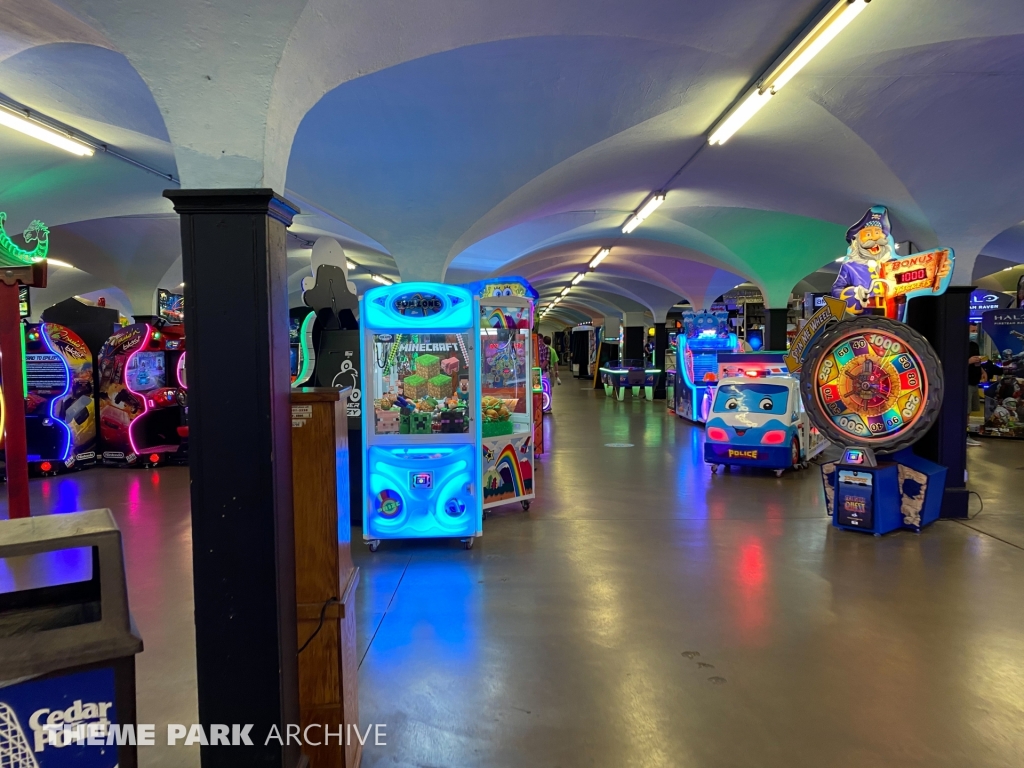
[[445, 140]]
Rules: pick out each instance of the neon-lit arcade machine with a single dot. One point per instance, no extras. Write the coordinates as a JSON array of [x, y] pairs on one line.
[[143, 396], [422, 436], [60, 411], [704, 336]]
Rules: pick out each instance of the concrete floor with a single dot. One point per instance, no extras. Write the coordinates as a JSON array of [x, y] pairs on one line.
[[645, 613]]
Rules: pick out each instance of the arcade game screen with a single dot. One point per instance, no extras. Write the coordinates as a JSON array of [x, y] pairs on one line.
[[145, 372], [420, 383], [171, 306]]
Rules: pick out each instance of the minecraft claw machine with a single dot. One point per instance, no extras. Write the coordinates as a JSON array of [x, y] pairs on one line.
[[421, 437], [506, 389]]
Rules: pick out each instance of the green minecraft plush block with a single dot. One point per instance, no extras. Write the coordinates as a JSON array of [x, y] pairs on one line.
[[428, 366], [439, 387], [414, 387], [420, 423]]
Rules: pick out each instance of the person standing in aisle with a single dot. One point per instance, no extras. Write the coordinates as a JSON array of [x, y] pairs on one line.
[[552, 360]]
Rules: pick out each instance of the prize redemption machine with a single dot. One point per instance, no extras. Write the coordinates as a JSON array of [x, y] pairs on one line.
[[143, 397], [873, 385], [507, 412], [421, 438], [60, 411], [703, 337]]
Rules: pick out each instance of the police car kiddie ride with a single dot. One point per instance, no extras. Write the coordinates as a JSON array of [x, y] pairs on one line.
[[760, 422]]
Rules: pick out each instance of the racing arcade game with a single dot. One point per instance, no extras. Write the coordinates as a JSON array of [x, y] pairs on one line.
[[142, 396], [60, 412]]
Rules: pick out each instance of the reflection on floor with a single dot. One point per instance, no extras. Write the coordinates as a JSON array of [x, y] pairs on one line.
[[645, 613]]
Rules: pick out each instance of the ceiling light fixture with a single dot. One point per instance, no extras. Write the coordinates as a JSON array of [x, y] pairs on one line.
[[809, 45], [381, 280], [181, 284], [579, 278], [645, 210], [351, 265], [566, 290], [19, 122], [601, 256], [59, 263]]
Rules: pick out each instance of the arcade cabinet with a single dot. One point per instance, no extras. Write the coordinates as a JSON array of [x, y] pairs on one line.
[[60, 410], [142, 396], [422, 438], [506, 388], [704, 336]]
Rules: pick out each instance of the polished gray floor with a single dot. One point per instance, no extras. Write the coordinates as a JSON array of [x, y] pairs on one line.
[[646, 613]]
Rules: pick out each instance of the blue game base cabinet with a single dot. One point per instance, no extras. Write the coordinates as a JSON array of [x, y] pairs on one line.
[[905, 491]]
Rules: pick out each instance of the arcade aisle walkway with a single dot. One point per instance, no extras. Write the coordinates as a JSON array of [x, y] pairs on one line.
[[646, 613]]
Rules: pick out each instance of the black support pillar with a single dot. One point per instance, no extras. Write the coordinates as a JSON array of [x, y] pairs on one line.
[[633, 342], [943, 321], [775, 321], [243, 560], [660, 346]]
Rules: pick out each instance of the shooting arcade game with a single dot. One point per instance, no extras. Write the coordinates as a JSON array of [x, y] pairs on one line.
[[421, 438], [143, 389], [704, 336], [873, 385], [508, 418], [60, 409]]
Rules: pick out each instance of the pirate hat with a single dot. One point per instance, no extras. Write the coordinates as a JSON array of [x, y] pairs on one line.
[[877, 216]]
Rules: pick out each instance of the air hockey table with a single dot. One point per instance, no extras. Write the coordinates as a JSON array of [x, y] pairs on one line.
[[629, 375]]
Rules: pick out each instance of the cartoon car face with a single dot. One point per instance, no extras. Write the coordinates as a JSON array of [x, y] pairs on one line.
[[745, 411], [754, 421]]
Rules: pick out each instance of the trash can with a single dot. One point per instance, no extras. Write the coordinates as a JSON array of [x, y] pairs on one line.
[[67, 644]]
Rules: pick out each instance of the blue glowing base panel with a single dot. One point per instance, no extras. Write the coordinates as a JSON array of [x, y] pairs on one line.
[[422, 492]]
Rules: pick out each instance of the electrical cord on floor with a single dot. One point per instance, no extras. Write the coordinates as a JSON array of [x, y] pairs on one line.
[[971, 517], [320, 624]]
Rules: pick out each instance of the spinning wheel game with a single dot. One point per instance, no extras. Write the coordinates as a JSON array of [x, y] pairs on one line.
[[872, 382]]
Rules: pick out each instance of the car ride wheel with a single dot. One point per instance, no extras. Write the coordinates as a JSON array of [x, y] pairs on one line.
[[794, 453]]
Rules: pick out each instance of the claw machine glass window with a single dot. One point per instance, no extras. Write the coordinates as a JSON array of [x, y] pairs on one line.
[[506, 400]]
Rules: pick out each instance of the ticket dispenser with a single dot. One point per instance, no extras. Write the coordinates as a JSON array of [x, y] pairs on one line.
[[867, 493], [67, 642]]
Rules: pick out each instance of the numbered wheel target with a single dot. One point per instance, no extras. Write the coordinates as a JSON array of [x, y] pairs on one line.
[[874, 382]]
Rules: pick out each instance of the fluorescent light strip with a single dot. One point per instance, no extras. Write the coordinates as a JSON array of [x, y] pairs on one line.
[[351, 265], [646, 210], [41, 132], [579, 278], [750, 106], [381, 280], [59, 263], [812, 43], [566, 290], [601, 256]]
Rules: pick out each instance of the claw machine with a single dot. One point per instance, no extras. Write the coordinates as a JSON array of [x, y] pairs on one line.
[[508, 416], [421, 438]]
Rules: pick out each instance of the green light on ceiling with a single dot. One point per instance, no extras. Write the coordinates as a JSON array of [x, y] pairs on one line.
[[11, 255]]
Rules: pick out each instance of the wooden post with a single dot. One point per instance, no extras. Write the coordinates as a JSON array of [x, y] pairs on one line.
[[12, 376], [325, 579]]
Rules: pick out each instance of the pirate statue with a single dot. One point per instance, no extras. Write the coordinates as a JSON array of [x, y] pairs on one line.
[[870, 244]]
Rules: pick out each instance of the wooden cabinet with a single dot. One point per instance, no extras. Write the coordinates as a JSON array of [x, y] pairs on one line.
[[325, 579]]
